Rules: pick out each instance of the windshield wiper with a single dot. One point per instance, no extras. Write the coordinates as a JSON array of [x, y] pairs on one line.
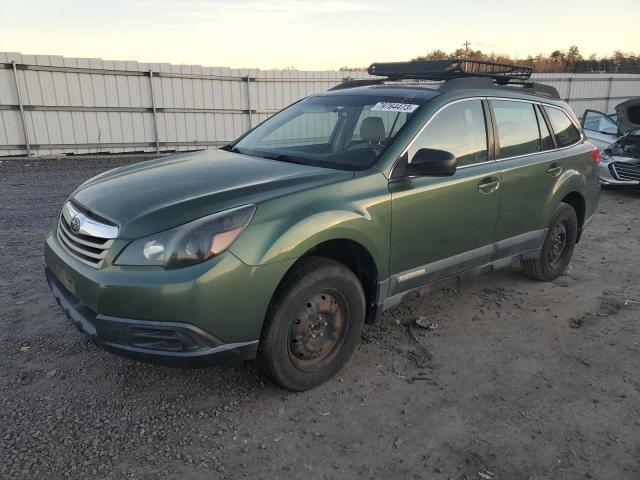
[[280, 157], [284, 158]]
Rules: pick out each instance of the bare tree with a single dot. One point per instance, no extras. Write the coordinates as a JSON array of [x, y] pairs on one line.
[[570, 60]]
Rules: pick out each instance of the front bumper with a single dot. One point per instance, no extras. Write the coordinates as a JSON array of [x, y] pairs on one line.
[[192, 316], [175, 344], [607, 178]]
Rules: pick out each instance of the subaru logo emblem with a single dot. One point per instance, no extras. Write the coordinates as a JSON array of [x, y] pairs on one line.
[[75, 224]]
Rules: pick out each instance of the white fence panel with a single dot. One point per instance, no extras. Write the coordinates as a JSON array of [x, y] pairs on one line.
[[88, 105]]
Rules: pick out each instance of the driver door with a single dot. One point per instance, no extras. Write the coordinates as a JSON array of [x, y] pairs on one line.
[[445, 225]]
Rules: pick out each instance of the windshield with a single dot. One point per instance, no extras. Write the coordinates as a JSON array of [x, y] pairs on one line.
[[337, 131]]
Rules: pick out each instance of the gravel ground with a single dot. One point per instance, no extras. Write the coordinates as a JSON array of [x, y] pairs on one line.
[[514, 379]]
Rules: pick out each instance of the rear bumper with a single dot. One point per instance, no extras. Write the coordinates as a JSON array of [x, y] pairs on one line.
[[167, 343]]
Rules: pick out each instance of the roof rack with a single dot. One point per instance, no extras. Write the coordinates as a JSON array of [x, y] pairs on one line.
[[457, 74], [502, 73]]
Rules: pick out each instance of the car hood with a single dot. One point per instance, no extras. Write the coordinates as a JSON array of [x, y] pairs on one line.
[[628, 114], [155, 195], [626, 146]]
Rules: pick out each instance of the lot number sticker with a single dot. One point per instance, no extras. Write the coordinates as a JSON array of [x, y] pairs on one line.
[[394, 107]]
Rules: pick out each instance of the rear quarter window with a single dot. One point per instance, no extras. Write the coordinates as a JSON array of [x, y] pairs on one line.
[[566, 131]]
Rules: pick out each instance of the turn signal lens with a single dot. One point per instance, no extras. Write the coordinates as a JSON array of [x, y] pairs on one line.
[[222, 241], [595, 154]]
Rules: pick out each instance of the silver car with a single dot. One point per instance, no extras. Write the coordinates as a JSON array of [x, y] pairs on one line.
[[618, 138]]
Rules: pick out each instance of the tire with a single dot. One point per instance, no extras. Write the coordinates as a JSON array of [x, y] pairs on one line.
[[313, 324], [556, 252]]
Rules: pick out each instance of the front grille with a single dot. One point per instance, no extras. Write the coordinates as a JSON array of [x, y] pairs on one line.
[[89, 240], [625, 171]]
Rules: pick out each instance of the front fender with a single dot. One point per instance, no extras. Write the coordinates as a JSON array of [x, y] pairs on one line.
[[286, 228]]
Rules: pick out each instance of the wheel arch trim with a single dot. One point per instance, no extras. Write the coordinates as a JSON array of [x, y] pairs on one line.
[[295, 240]]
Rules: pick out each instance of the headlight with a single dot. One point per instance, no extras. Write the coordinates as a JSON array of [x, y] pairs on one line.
[[191, 243]]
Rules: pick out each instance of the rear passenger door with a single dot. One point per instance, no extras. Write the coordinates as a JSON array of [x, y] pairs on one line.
[[444, 225], [531, 166]]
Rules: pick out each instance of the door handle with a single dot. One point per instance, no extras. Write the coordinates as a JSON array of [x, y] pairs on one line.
[[554, 170], [488, 185]]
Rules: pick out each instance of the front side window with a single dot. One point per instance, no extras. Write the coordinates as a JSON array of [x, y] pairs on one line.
[[336, 131], [565, 130], [517, 125], [459, 129]]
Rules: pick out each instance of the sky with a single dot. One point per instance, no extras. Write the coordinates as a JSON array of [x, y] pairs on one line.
[[311, 35]]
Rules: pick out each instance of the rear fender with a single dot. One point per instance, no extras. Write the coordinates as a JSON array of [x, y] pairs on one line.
[[570, 181]]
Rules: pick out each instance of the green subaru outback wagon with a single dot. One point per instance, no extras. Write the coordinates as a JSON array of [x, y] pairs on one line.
[[281, 245]]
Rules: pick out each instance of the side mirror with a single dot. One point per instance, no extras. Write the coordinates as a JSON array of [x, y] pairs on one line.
[[429, 162]]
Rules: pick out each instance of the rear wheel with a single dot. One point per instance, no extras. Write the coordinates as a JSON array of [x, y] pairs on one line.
[[313, 324], [557, 248]]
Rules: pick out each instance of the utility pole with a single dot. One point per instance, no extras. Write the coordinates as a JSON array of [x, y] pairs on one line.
[[466, 44]]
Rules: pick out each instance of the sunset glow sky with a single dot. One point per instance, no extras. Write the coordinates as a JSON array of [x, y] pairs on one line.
[[310, 35]]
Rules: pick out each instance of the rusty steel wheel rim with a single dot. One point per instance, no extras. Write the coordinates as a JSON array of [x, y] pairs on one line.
[[559, 243], [317, 330]]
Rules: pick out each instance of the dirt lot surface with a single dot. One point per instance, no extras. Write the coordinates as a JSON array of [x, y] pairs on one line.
[[513, 379]]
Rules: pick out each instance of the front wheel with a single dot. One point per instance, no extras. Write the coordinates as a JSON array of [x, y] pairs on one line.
[[557, 248], [313, 324]]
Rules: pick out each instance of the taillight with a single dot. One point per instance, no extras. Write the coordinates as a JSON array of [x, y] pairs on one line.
[[595, 154]]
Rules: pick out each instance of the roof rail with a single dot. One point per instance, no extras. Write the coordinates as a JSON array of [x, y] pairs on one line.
[[531, 88], [502, 73]]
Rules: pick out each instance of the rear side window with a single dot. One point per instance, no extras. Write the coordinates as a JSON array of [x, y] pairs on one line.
[[565, 130], [459, 129], [517, 128], [545, 134]]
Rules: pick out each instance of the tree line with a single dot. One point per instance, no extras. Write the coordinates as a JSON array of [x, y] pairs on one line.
[[570, 60]]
